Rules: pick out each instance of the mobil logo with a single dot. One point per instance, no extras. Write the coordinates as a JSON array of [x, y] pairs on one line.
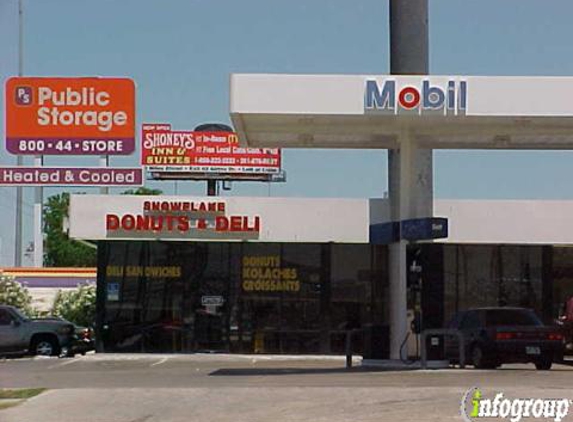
[[394, 96]]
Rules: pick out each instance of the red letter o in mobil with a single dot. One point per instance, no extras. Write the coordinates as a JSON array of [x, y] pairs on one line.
[[409, 97]]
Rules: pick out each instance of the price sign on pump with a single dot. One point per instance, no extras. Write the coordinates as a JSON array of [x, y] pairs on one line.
[[70, 116]]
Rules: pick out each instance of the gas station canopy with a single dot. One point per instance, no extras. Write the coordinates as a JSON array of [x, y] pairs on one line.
[[374, 111]]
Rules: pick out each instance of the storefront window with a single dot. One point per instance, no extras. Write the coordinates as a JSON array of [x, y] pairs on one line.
[[562, 279], [238, 297], [492, 275]]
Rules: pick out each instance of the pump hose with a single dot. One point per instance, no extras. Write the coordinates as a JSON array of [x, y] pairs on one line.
[[406, 360]]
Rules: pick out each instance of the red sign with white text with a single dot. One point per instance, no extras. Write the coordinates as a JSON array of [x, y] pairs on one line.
[[166, 150]]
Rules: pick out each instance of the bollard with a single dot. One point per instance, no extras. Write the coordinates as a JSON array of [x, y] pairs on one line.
[[349, 349]]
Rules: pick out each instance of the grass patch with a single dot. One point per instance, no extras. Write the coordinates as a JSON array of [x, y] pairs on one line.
[[11, 403], [21, 393]]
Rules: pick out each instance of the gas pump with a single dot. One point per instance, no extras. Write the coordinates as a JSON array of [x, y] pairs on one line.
[[414, 301]]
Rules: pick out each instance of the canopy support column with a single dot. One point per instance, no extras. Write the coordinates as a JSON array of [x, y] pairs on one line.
[[410, 170]]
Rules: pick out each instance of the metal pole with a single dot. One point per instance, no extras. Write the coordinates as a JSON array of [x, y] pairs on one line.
[[212, 188], [20, 158], [212, 184], [409, 37], [104, 162], [38, 229], [38, 215], [409, 168], [349, 349]]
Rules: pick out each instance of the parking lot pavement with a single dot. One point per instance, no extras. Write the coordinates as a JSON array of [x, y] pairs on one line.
[[149, 388], [235, 404]]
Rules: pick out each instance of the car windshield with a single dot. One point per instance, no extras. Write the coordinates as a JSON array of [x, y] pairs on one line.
[[511, 317]]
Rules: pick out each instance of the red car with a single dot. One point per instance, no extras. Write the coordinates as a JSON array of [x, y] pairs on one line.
[[565, 321], [494, 336]]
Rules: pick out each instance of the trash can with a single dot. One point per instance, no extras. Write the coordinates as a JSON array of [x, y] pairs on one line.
[[435, 349]]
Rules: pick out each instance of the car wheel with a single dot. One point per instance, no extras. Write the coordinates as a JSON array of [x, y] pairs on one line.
[[544, 365], [478, 358], [45, 346]]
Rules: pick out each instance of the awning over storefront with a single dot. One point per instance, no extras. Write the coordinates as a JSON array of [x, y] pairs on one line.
[[364, 111], [179, 218]]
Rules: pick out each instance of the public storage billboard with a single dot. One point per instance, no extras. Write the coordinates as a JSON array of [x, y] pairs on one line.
[[70, 116], [166, 150], [120, 217]]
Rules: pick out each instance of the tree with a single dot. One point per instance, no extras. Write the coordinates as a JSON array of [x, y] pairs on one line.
[[143, 191], [14, 294], [77, 306], [61, 251]]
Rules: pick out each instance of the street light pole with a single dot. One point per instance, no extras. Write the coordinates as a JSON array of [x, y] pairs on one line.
[[19, 159]]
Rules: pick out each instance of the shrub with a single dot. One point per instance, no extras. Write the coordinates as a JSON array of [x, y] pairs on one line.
[[14, 294], [77, 306]]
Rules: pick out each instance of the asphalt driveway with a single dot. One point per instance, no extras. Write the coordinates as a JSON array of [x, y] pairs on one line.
[[140, 388]]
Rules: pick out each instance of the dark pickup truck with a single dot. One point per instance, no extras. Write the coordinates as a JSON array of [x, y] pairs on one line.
[[19, 334]]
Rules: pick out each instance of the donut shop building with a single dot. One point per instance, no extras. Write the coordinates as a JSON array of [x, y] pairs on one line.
[[293, 275]]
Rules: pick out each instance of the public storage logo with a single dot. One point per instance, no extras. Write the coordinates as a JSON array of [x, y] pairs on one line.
[[475, 406], [23, 95], [392, 96], [74, 116]]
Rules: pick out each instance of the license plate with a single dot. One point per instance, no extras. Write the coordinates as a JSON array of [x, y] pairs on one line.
[[532, 350]]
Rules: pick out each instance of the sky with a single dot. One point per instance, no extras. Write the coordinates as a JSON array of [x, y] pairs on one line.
[[181, 53]]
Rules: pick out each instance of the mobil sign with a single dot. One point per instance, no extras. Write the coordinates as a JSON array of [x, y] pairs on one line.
[[416, 95], [70, 116]]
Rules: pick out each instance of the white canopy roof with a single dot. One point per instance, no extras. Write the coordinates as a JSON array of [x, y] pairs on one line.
[[366, 111]]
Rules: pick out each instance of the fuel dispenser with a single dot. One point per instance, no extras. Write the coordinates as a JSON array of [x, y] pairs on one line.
[[434, 344]]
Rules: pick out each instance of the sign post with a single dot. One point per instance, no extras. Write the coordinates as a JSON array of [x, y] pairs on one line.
[[213, 184], [38, 219], [19, 159], [104, 162]]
